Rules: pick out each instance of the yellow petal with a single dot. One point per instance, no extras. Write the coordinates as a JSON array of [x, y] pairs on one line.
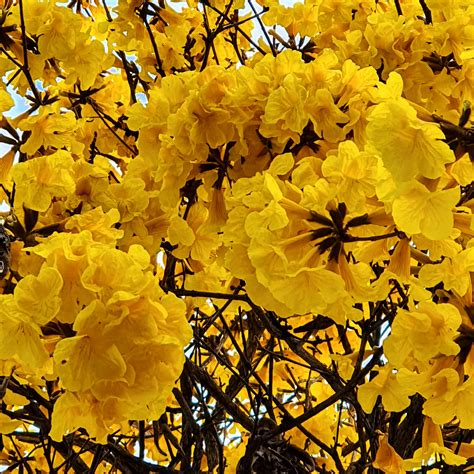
[[80, 363], [38, 296], [420, 211], [387, 459], [8, 425], [281, 164], [407, 146]]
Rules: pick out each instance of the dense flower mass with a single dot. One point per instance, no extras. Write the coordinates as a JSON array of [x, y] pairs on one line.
[[236, 236]]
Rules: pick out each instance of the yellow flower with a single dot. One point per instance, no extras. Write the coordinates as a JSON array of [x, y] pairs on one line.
[[151, 120], [131, 197], [19, 338], [281, 164], [68, 254], [6, 101], [217, 209], [391, 90], [454, 272], [353, 173], [57, 34], [308, 290], [49, 128], [432, 447], [180, 232], [74, 410], [192, 236], [80, 361], [205, 117], [301, 18], [452, 400], [417, 210], [423, 333], [285, 116], [41, 179], [85, 61], [400, 260], [323, 72], [273, 217], [394, 394], [8, 425], [100, 224], [211, 125], [111, 270], [37, 297], [462, 170], [407, 146], [387, 459], [354, 81], [326, 116]]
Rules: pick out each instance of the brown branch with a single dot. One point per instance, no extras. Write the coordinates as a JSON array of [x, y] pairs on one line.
[[208, 294], [340, 395], [128, 73], [426, 12], [296, 346], [398, 7], [209, 41], [242, 32], [262, 27], [25, 67], [372, 238], [103, 117], [208, 383], [143, 15], [107, 12]]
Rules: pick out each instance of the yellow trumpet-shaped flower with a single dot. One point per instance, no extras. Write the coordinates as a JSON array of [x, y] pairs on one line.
[[424, 333], [41, 179], [418, 210], [407, 146]]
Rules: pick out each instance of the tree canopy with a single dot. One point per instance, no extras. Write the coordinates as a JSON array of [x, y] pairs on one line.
[[236, 236]]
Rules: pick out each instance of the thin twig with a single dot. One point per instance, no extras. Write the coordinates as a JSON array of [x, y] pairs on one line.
[[426, 12], [25, 67]]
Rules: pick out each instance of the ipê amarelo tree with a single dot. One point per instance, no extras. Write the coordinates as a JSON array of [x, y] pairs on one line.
[[236, 236]]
